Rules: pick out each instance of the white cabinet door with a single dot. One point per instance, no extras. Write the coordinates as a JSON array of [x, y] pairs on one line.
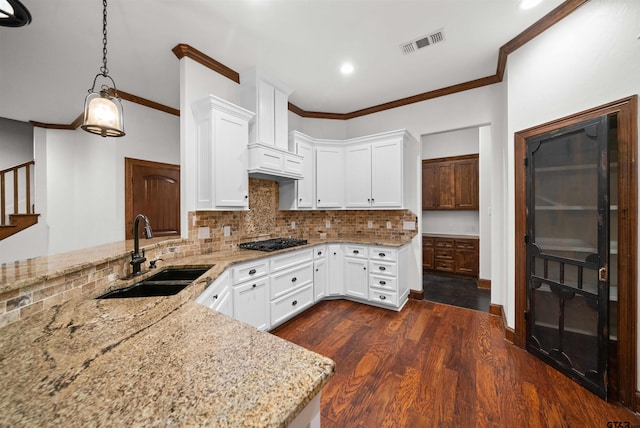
[[329, 177], [231, 179], [320, 271], [224, 305], [386, 174], [335, 279], [251, 303], [356, 277], [265, 115], [281, 119], [306, 194], [358, 176]]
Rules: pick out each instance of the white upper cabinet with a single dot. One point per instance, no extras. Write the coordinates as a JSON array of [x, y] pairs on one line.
[[221, 155], [306, 186], [329, 177], [269, 98], [358, 176], [376, 171], [386, 174]]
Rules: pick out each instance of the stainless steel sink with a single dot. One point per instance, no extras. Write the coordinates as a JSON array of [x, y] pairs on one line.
[[165, 283]]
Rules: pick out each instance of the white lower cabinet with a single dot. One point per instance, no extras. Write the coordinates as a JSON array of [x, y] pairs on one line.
[[251, 303], [218, 295], [269, 291]]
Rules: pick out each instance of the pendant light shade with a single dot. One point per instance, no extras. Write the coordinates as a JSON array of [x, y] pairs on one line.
[[103, 109]]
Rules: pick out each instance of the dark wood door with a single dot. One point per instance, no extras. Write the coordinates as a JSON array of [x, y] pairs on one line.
[[152, 189], [568, 246]]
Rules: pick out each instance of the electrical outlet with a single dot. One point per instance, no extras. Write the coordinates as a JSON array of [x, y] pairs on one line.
[[370, 224], [409, 225], [227, 230], [293, 225], [204, 232], [388, 225], [328, 224]]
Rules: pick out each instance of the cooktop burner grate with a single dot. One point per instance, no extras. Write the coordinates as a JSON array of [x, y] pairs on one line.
[[273, 244]]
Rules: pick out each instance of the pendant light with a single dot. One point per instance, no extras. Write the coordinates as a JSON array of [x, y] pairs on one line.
[[13, 14], [103, 109]]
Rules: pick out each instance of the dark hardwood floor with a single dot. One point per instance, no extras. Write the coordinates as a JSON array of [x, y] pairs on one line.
[[455, 291], [434, 365]]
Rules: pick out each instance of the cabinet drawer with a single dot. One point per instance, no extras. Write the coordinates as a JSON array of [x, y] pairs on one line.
[[359, 251], [444, 265], [443, 254], [383, 268], [382, 296], [247, 271], [213, 293], [319, 252], [285, 281], [381, 253], [467, 245], [263, 158], [293, 258], [291, 304], [383, 282], [427, 242], [444, 243]]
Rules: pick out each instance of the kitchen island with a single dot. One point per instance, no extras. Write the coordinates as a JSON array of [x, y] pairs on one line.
[[157, 361]]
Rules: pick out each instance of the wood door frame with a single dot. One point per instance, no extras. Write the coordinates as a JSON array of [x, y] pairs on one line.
[[129, 164], [627, 111]]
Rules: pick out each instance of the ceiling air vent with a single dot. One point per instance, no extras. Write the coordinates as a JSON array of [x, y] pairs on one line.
[[422, 42]]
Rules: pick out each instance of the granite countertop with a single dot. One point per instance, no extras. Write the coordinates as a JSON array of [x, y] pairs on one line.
[[164, 361], [158, 361]]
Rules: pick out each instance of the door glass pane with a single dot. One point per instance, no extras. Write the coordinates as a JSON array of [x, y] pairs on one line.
[[566, 201]]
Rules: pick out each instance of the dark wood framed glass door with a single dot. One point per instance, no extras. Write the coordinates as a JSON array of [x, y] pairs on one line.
[[568, 249]]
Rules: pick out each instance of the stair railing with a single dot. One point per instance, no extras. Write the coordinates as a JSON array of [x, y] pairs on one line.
[[14, 171]]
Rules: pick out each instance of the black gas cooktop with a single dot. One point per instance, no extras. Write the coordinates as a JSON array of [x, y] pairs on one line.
[[272, 244]]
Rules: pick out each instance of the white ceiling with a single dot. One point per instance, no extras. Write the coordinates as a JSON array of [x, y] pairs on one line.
[[47, 66]]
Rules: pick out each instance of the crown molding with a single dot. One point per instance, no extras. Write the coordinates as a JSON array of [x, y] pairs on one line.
[[184, 50]]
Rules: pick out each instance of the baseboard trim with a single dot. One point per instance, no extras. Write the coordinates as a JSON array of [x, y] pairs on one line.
[[498, 311], [485, 284], [416, 294]]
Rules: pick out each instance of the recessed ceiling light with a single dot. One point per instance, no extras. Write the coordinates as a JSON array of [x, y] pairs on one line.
[[346, 68], [528, 4]]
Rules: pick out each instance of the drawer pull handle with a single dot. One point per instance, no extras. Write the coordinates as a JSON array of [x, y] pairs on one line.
[[383, 297], [319, 253], [356, 252], [294, 279], [382, 254], [252, 272], [215, 297], [364, 268], [382, 268], [383, 282], [295, 302]]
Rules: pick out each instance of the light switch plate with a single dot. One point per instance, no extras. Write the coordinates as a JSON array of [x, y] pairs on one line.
[[204, 232], [227, 230]]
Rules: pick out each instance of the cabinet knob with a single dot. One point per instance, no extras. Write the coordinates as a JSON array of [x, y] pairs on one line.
[[364, 268], [319, 253], [246, 196], [215, 297], [368, 199], [316, 270], [294, 279], [318, 200], [300, 199], [383, 297], [252, 272], [295, 302], [254, 285]]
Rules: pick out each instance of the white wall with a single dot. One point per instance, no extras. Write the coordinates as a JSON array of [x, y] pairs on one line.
[[196, 82], [326, 129]]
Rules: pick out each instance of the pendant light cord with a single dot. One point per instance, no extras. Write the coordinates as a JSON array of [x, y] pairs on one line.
[[104, 69]]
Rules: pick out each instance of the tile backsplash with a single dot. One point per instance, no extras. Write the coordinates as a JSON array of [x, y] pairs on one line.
[[265, 220]]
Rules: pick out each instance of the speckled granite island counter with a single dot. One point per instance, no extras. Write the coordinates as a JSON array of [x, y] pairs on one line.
[[157, 361]]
